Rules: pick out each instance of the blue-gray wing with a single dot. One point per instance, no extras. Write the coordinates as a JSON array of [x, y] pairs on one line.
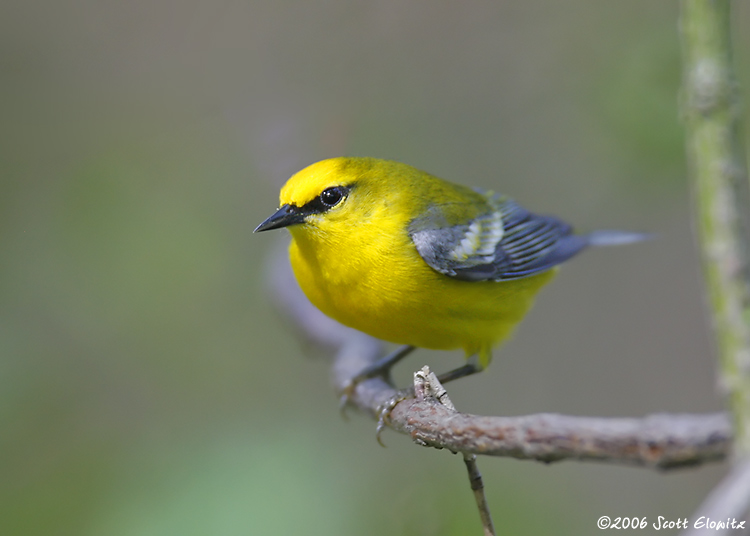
[[507, 242]]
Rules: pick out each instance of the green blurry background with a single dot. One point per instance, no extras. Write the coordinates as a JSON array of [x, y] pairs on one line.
[[147, 385]]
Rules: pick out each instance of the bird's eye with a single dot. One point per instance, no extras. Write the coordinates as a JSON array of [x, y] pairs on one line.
[[330, 197]]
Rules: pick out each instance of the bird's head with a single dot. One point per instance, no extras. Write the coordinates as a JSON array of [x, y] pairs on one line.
[[336, 190]]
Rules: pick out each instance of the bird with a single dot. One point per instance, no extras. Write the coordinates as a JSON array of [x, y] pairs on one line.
[[416, 260]]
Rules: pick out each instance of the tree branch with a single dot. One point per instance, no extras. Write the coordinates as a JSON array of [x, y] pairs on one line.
[[428, 386], [659, 441], [721, 197], [727, 501], [721, 193]]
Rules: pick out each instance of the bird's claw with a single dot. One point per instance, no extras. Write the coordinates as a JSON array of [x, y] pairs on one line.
[[346, 394]]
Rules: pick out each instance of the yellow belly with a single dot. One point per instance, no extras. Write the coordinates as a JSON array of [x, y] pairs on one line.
[[406, 302]]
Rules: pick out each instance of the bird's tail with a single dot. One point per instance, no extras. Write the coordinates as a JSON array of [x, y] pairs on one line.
[[616, 238]]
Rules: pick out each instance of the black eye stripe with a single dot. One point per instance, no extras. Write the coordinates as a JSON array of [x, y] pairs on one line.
[[328, 198]]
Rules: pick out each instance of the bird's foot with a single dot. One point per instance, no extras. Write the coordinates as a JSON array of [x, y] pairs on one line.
[[346, 394]]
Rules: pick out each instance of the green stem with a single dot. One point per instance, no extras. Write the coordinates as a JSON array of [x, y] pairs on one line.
[[721, 193]]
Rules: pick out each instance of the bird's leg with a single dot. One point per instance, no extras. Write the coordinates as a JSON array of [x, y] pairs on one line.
[[467, 370], [381, 367]]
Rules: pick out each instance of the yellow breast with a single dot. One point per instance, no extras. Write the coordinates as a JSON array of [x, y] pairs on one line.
[[378, 284]]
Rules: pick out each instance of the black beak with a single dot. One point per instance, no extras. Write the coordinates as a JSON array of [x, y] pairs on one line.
[[285, 216]]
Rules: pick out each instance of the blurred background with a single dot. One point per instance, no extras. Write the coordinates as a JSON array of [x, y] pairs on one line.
[[147, 384]]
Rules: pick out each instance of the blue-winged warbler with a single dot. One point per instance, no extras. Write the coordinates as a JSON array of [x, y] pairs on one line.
[[412, 259]]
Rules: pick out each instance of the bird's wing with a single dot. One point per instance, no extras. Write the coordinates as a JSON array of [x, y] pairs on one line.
[[504, 242]]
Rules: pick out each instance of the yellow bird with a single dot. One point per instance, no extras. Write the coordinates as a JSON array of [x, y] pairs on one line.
[[409, 258]]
